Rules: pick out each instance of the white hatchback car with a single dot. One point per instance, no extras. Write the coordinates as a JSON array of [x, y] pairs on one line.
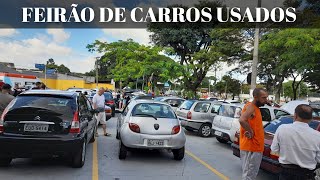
[[148, 124], [226, 122]]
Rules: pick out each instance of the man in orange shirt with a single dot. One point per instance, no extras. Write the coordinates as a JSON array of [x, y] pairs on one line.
[[252, 135]]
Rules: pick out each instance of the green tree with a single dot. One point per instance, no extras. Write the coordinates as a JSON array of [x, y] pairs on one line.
[[228, 85], [132, 61], [60, 68], [288, 92], [289, 53]]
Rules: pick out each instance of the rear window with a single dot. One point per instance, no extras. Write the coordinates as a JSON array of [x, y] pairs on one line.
[[227, 111], [202, 107], [154, 109], [61, 105], [158, 98], [187, 105], [316, 113], [273, 126]]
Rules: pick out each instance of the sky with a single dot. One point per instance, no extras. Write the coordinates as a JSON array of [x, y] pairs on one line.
[[26, 47]]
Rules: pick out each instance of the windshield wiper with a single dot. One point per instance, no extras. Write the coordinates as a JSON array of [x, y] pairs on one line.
[[148, 115]]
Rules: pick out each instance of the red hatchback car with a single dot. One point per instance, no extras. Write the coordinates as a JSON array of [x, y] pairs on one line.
[[270, 162]]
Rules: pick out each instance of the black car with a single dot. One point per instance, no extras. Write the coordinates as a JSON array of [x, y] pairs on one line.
[[109, 101], [42, 123]]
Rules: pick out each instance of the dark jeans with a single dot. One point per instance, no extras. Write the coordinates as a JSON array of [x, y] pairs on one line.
[[294, 172]]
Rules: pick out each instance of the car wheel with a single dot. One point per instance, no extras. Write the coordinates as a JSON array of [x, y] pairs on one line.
[[189, 129], [5, 162], [221, 140], [178, 154], [93, 137], [122, 151], [205, 130], [80, 157], [113, 112], [108, 117]]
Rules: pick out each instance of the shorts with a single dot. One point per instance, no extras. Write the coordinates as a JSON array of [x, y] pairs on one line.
[[101, 117]]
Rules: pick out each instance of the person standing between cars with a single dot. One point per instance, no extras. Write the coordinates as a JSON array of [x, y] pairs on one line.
[[5, 97], [98, 101], [298, 146], [252, 135]]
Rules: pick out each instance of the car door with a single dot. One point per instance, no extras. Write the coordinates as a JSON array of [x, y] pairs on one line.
[[91, 119], [84, 116], [214, 110]]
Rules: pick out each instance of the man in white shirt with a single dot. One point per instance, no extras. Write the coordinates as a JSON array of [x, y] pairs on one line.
[[298, 146], [98, 104]]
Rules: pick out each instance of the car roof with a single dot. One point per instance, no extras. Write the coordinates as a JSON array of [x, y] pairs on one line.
[[50, 92], [171, 97], [137, 101], [233, 104]]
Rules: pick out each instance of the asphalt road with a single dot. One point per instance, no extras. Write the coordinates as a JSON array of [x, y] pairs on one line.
[[205, 159]]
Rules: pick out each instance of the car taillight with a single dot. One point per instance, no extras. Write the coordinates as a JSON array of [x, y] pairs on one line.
[[75, 125], [189, 115], [109, 102], [270, 154], [134, 127], [176, 129], [3, 115], [108, 110]]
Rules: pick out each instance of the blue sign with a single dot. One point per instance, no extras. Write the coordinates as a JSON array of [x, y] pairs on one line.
[[40, 66], [51, 71]]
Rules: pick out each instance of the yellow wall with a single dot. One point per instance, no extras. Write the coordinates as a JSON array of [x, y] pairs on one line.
[[62, 84]]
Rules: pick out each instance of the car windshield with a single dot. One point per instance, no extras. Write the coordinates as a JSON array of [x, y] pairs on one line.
[[108, 96], [316, 112], [274, 125], [153, 109]]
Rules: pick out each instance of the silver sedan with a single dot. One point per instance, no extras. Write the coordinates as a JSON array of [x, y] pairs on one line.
[[147, 124]]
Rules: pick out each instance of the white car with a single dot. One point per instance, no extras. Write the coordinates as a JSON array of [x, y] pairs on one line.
[[226, 122], [148, 124], [173, 101]]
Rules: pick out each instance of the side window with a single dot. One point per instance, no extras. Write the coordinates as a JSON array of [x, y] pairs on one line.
[[202, 107], [278, 113], [88, 104], [265, 113], [82, 104]]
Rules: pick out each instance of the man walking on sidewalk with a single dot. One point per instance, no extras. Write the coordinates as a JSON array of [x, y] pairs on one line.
[[252, 135], [98, 101], [298, 146]]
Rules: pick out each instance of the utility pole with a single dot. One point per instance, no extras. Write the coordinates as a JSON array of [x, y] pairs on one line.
[[255, 56], [97, 68], [45, 74]]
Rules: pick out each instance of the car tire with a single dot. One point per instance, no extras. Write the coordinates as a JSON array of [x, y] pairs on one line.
[[122, 151], [113, 112], [79, 158], [178, 154], [93, 137], [205, 130], [108, 117], [189, 129], [4, 162], [221, 140]]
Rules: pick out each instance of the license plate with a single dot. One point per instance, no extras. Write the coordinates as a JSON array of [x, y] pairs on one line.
[[155, 142], [218, 133], [36, 127]]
